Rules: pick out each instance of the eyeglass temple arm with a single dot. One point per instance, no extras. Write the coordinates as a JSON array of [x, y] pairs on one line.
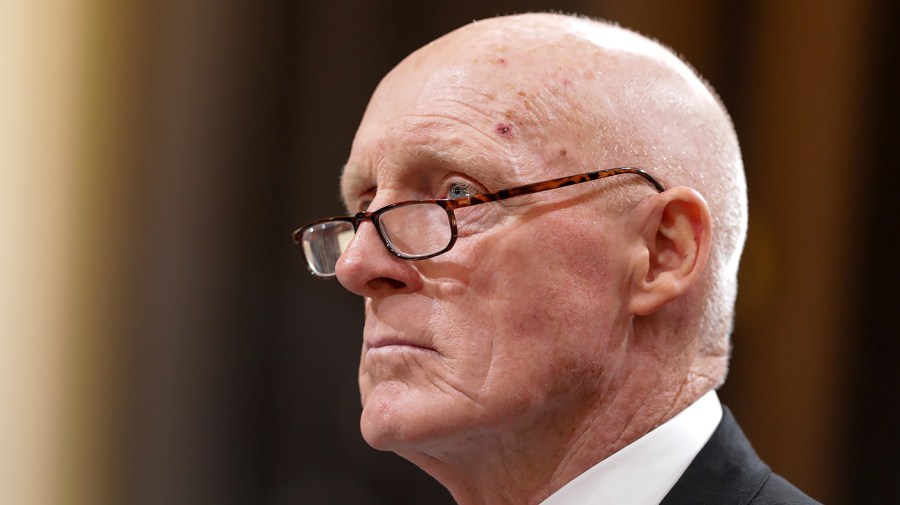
[[560, 182]]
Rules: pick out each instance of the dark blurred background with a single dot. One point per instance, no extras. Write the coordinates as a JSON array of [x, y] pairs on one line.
[[194, 360]]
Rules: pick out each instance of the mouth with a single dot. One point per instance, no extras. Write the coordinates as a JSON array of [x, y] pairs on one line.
[[396, 344]]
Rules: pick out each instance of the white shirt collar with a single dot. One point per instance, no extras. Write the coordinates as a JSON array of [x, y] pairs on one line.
[[643, 472]]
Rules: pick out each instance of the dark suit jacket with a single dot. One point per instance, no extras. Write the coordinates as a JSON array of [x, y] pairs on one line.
[[727, 471]]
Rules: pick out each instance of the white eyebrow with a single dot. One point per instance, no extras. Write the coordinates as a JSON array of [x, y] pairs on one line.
[[353, 182]]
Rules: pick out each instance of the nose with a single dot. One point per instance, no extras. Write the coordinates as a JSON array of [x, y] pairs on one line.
[[369, 269]]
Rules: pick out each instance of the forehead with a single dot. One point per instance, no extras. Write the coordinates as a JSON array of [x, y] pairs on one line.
[[502, 112], [521, 99]]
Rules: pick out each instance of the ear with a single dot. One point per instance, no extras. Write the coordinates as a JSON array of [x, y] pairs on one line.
[[675, 238]]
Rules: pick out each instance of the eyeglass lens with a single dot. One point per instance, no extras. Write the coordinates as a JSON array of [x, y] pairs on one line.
[[323, 244], [413, 231], [417, 229]]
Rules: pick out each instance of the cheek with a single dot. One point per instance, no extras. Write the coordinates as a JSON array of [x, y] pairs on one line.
[[555, 301], [542, 278], [523, 318]]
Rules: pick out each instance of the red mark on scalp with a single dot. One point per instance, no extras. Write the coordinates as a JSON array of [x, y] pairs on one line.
[[504, 129], [501, 61]]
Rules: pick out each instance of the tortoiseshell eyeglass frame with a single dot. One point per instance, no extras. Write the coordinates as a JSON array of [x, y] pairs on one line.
[[449, 205]]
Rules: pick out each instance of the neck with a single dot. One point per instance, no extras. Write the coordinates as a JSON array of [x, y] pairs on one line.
[[526, 463]]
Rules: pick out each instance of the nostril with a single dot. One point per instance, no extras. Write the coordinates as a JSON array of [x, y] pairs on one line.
[[387, 282]]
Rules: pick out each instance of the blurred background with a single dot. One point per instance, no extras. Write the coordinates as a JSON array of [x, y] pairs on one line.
[[162, 343]]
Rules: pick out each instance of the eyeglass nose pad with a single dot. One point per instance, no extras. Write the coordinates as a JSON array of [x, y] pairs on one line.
[[359, 218]]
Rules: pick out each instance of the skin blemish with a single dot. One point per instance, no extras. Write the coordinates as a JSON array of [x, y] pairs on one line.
[[563, 153], [500, 61], [504, 129]]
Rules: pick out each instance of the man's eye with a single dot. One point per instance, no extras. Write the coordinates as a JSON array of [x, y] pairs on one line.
[[460, 190]]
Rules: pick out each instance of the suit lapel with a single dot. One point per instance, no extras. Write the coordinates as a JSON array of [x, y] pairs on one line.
[[726, 471]]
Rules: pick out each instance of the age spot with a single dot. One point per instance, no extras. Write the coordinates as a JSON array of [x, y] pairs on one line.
[[504, 129]]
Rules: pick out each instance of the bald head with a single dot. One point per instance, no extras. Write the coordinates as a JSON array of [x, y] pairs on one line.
[[586, 95]]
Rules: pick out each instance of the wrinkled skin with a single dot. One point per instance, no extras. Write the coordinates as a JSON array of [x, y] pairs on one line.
[[533, 348]]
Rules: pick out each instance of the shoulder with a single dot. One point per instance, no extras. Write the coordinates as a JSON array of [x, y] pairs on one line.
[[777, 491], [727, 471]]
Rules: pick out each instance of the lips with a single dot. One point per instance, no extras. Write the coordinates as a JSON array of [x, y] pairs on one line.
[[388, 343]]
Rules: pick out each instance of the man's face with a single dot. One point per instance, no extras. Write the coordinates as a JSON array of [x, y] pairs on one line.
[[524, 320]]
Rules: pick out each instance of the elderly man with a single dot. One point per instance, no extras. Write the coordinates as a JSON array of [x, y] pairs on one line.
[[548, 214]]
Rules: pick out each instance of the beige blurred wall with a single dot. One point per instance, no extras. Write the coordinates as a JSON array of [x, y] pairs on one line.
[[41, 51], [61, 136]]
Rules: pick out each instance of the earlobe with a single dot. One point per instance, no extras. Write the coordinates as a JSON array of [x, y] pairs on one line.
[[676, 236]]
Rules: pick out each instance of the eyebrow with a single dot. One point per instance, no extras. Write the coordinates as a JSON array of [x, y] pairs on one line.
[[352, 182]]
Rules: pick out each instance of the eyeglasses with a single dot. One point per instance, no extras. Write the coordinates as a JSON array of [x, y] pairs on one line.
[[420, 229]]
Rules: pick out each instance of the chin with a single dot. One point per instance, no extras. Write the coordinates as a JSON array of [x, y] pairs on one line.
[[398, 418], [379, 433], [390, 419]]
